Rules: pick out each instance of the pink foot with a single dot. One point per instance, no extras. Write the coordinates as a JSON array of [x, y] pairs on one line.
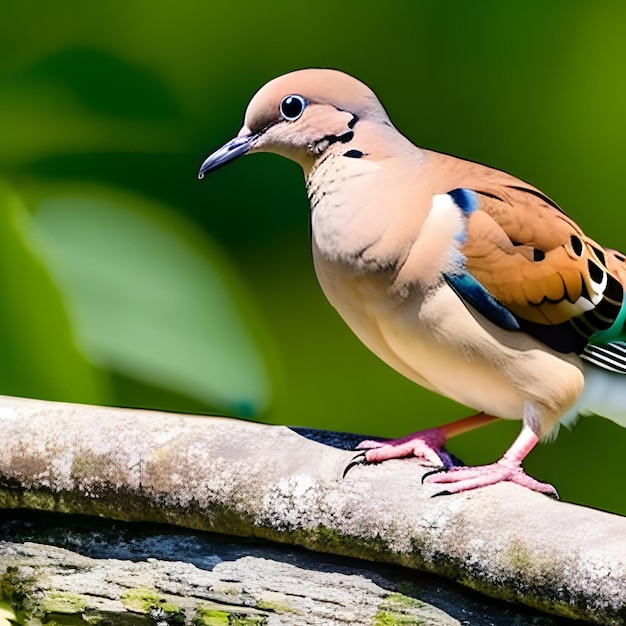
[[459, 479], [424, 444]]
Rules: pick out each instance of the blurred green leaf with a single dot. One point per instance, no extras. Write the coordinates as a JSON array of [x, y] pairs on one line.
[[40, 358], [151, 298]]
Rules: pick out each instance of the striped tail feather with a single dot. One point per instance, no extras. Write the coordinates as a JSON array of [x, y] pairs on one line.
[[611, 357]]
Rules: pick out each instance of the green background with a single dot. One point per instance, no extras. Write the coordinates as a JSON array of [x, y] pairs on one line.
[[126, 281]]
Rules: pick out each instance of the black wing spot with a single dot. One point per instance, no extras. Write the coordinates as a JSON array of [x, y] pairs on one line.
[[600, 255], [538, 255], [353, 154], [595, 271], [577, 245]]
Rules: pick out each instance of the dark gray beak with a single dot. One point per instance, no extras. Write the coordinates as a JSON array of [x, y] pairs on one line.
[[228, 152]]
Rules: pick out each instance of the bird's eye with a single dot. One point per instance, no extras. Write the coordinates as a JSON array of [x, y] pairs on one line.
[[292, 107]]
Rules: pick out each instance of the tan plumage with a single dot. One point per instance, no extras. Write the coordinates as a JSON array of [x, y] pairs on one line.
[[465, 279]]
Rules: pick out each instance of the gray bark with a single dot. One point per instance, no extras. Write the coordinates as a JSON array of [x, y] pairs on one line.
[[208, 580], [253, 480]]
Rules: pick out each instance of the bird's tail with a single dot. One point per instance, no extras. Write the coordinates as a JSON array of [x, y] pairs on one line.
[[604, 394]]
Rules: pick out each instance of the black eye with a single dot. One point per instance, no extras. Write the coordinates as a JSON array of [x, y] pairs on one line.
[[292, 107]]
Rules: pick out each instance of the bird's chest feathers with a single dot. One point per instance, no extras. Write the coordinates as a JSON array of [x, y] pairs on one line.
[[351, 213]]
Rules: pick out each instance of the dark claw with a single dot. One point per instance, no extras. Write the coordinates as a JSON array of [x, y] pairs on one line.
[[441, 493], [359, 459], [435, 471]]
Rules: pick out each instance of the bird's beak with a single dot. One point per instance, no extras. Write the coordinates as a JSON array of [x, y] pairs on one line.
[[228, 152]]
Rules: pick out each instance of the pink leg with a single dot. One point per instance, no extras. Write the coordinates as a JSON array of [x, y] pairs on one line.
[[424, 444], [507, 469]]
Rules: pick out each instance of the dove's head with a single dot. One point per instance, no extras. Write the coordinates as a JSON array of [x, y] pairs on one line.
[[300, 115]]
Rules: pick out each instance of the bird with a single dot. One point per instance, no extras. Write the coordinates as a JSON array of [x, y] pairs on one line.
[[465, 279]]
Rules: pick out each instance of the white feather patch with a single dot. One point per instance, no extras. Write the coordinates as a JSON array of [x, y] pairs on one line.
[[437, 248]]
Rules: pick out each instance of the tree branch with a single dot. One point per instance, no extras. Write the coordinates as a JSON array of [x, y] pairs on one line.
[[247, 479]]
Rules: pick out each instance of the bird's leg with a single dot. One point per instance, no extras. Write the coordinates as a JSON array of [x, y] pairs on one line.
[[425, 444], [507, 469]]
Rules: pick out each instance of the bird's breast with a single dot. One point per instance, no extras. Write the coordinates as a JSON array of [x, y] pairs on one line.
[[434, 340], [355, 206]]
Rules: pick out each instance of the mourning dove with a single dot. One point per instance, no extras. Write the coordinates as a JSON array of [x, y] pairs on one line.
[[465, 279]]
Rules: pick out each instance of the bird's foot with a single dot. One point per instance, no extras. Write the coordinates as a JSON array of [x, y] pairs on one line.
[[424, 444], [459, 479]]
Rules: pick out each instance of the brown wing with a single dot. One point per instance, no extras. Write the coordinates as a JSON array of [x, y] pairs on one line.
[[534, 260]]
